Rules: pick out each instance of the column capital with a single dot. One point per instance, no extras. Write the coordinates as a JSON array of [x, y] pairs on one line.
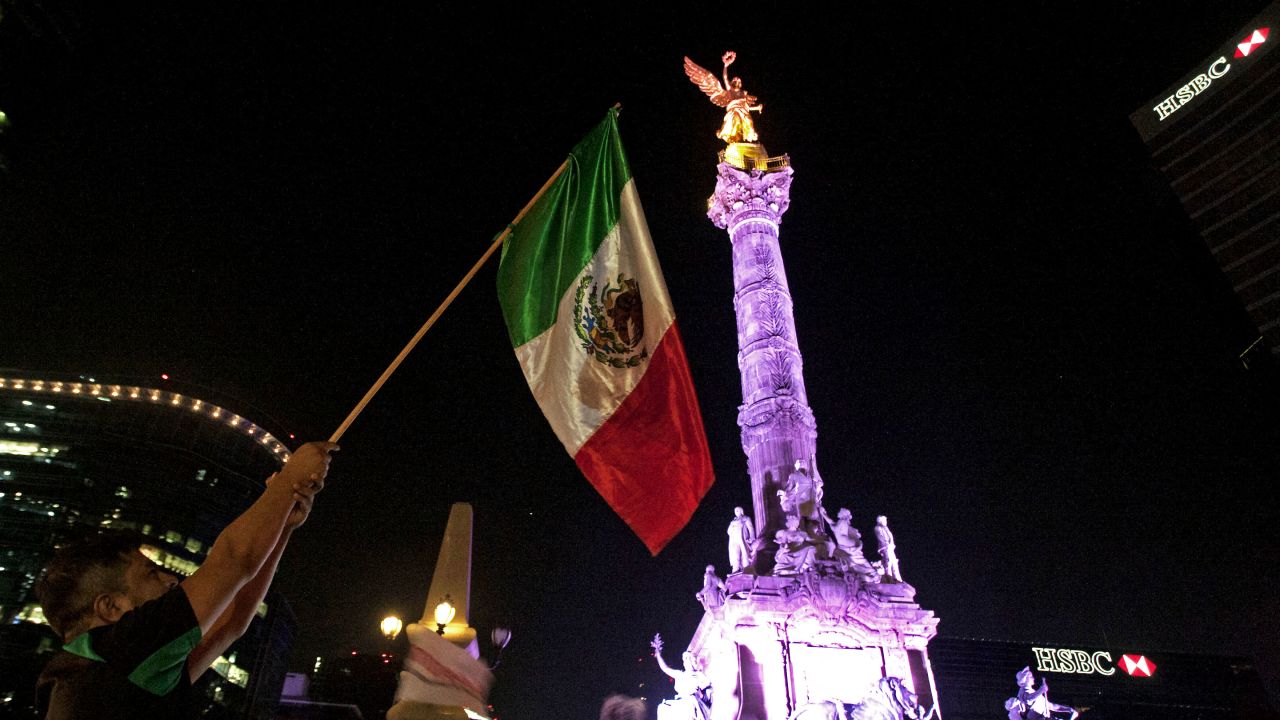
[[749, 195]]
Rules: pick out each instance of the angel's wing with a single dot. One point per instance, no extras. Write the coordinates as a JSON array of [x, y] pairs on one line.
[[707, 82]]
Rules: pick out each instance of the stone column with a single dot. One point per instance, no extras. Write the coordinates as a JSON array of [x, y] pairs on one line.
[[777, 425]]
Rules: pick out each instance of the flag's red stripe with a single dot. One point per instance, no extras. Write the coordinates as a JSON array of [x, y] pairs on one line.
[[649, 460]]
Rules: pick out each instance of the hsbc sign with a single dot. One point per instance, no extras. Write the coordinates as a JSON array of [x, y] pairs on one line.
[[1216, 69], [1234, 60], [1188, 92], [1081, 662], [1256, 38], [1137, 665], [1073, 661]]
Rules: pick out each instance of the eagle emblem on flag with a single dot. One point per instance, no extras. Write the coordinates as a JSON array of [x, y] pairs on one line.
[[609, 320]]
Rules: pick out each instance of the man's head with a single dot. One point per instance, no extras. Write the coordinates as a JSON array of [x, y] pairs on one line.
[[96, 581], [882, 520], [622, 707], [737, 512]]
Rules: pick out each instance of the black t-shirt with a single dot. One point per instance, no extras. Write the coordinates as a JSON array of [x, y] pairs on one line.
[[134, 668]]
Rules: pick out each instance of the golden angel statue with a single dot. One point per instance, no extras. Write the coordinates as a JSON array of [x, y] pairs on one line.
[[738, 103]]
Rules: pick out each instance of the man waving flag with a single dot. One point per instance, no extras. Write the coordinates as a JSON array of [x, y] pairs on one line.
[[593, 328]]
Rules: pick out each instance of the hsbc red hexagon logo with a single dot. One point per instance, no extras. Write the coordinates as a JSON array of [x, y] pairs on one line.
[[1256, 38], [1137, 665]]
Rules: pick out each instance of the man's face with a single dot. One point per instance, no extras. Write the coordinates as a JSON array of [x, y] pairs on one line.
[[145, 581]]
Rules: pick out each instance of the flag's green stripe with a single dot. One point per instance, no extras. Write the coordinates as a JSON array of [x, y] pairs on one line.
[[547, 250]]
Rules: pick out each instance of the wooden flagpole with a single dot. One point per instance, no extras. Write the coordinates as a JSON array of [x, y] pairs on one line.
[[337, 434]]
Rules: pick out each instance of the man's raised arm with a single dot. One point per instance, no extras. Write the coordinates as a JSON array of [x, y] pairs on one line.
[[235, 620], [245, 545]]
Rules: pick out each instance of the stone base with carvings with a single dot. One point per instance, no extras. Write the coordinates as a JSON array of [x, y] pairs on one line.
[[781, 642]]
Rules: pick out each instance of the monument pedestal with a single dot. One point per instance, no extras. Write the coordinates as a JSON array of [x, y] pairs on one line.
[[777, 643]]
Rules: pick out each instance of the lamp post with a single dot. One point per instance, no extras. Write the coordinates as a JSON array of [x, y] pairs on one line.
[[391, 626], [379, 689], [444, 614], [499, 637]]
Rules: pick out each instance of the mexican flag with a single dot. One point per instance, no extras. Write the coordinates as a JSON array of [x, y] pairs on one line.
[[593, 328]]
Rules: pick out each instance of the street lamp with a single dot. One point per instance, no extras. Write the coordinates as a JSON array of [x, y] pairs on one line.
[[444, 614], [391, 626], [500, 637]]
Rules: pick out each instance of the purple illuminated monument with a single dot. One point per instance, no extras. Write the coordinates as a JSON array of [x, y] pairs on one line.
[[807, 624]]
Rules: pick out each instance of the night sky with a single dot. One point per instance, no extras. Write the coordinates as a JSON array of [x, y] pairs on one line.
[[1016, 346]]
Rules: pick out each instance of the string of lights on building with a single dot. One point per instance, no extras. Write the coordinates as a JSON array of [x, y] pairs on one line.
[[136, 393]]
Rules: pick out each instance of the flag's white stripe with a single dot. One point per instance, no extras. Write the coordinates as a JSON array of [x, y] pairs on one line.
[[575, 391]]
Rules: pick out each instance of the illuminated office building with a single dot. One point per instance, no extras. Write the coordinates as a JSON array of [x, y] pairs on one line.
[[1215, 134], [78, 455], [976, 676]]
